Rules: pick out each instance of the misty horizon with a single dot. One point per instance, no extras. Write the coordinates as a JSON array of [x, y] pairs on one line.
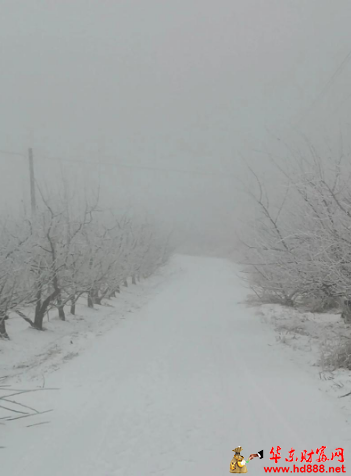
[[162, 103]]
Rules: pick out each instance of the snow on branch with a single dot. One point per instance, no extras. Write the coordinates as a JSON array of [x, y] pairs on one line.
[[68, 249], [297, 247]]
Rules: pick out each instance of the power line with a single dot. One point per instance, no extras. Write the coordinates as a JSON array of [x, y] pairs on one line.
[[120, 165], [341, 104], [325, 88], [138, 167], [7, 152]]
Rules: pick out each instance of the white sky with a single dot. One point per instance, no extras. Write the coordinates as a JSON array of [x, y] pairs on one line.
[[185, 84]]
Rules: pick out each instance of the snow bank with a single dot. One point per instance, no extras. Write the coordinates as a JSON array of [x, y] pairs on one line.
[[31, 354], [309, 338]]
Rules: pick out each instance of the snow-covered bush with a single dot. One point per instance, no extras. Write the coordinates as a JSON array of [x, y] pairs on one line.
[[337, 357]]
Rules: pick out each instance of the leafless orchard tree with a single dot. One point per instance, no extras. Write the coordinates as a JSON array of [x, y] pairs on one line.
[[300, 248], [55, 236], [66, 250], [15, 238]]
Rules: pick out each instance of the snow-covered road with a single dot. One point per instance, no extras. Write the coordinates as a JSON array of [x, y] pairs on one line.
[[176, 387]]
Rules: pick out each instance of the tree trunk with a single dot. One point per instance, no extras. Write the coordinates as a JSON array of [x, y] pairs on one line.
[[37, 307], [346, 310], [61, 310], [95, 295], [41, 308], [125, 283], [133, 279], [90, 299], [118, 290], [73, 305], [288, 301], [62, 314], [38, 319], [73, 308], [3, 332]]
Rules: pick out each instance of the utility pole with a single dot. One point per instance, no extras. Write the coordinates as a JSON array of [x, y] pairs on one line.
[[32, 181]]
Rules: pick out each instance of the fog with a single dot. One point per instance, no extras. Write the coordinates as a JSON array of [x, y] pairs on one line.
[[162, 102]]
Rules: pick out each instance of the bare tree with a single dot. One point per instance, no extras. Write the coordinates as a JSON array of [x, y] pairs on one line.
[[15, 238], [299, 248]]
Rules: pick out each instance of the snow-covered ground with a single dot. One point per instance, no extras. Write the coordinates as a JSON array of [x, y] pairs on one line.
[[310, 339], [170, 387], [32, 353]]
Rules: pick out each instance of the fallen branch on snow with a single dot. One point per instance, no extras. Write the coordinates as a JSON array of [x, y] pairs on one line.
[[12, 392]]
